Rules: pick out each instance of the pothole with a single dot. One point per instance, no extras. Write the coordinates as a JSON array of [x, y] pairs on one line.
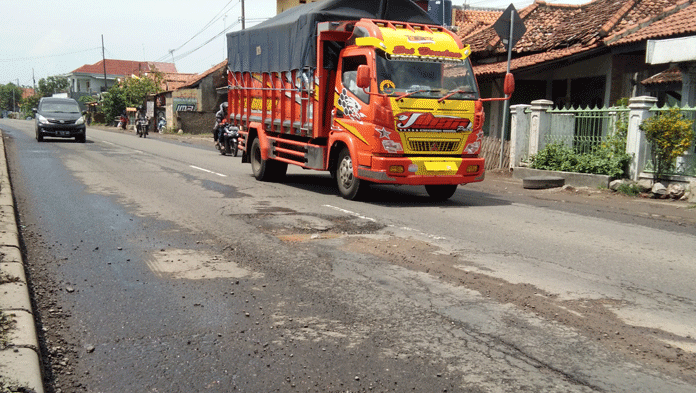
[[195, 265]]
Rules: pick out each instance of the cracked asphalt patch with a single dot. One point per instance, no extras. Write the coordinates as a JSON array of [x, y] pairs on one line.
[[593, 319]]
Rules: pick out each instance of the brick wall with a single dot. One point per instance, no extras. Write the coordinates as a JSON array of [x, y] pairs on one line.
[[196, 122]]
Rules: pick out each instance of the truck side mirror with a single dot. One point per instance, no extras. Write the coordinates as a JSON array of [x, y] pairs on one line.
[[509, 85], [363, 76]]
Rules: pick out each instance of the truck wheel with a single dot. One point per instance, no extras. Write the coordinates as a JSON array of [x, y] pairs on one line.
[[349, 186], [265, 170], [441, 192]]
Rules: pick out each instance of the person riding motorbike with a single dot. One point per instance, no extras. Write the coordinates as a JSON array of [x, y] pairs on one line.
[[220, 120], [142, 120]]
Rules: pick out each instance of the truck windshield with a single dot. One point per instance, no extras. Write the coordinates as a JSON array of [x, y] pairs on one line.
[[424, 79]]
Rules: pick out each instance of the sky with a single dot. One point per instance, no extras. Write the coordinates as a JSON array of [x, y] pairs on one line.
[[42, 38]]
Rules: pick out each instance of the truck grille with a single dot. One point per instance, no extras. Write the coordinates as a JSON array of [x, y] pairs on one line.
[[433, 145]]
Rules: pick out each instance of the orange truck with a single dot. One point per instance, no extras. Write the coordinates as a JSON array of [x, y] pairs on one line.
[[369, 92]]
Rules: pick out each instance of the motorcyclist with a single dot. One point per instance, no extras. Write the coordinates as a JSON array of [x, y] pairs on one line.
[[220, 119], [142, 118]]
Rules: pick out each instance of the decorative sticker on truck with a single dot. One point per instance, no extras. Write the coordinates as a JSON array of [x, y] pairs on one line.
[[419, 121], [388, 144], [350, 106]]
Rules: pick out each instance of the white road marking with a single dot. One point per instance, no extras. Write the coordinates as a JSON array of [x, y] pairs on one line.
[[205, 170], [351, 213]]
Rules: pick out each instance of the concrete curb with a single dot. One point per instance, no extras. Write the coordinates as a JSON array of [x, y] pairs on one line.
[[20, 361], [572, 178]]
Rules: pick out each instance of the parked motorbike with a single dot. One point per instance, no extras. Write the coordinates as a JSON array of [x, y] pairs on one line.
[[161, 124], [228, 140], [141, 126]]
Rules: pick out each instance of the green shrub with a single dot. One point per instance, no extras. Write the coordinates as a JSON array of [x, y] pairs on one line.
[[605, 159], [670, 135]]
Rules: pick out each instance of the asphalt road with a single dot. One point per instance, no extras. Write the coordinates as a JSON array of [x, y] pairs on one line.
[[159, 265]]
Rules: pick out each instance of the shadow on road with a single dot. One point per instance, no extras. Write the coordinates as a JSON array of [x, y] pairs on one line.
[[396, 196]]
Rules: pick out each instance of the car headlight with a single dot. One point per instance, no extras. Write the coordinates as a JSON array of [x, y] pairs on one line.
[[41, 119], [81, 120]]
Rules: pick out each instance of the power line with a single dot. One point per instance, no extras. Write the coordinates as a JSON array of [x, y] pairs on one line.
[[48, 56], [216, 18], [179, 57]]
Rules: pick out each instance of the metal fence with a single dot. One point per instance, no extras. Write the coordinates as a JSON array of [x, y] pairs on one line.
[[684, 165], [584, 130]]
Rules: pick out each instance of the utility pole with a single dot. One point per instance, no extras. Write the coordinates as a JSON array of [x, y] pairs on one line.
[[33, 78], [243, 17], [104, 64]]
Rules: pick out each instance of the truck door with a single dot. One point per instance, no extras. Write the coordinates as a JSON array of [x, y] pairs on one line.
[[353, 102]]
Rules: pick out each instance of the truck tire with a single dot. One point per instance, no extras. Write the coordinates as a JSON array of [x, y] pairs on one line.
[[441, 192], [349, 186], [265, 170]]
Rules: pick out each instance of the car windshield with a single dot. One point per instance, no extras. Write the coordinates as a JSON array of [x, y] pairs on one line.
[[426, 79], [60, 107]]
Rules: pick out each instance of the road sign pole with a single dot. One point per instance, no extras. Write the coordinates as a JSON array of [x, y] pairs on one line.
[[506, 103]]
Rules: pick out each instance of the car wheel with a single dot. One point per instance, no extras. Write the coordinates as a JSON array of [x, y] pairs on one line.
[[39, 136]]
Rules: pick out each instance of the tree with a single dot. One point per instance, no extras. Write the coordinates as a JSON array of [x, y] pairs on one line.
[[130, 92], [670, 135], [52, 85], [10, 97], [30, 103]]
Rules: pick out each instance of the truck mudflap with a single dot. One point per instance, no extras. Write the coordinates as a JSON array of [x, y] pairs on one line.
[[423, 170]]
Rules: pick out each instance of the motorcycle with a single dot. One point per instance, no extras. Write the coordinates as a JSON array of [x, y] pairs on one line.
[[141, 126], [228, 140], [161, 124]]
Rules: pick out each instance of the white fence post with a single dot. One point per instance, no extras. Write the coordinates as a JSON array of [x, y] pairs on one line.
[[519, 134], [635, 138], [540, 125]]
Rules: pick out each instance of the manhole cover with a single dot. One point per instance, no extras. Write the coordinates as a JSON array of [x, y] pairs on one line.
[[539, 182]]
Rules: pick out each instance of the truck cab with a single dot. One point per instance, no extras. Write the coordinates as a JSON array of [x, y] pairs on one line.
[[405, 106]]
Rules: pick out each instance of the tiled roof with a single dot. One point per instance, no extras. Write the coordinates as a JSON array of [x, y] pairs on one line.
[[470, 21], [125, 67], [530, 60], [27, 92], [555, 31], [671, 75], [173, 81], [674, 21]]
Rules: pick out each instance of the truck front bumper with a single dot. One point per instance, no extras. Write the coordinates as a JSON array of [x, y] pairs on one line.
[[423, 170]]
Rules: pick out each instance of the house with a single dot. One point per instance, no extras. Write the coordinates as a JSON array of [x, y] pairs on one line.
[[91, 79], [191, 106], [576, 55]]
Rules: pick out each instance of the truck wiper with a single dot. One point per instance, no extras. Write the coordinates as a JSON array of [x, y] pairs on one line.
[[451, 93], [410, 93]]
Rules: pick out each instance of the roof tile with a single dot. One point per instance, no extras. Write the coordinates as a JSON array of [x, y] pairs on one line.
[[125, 67], [555, 31]]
